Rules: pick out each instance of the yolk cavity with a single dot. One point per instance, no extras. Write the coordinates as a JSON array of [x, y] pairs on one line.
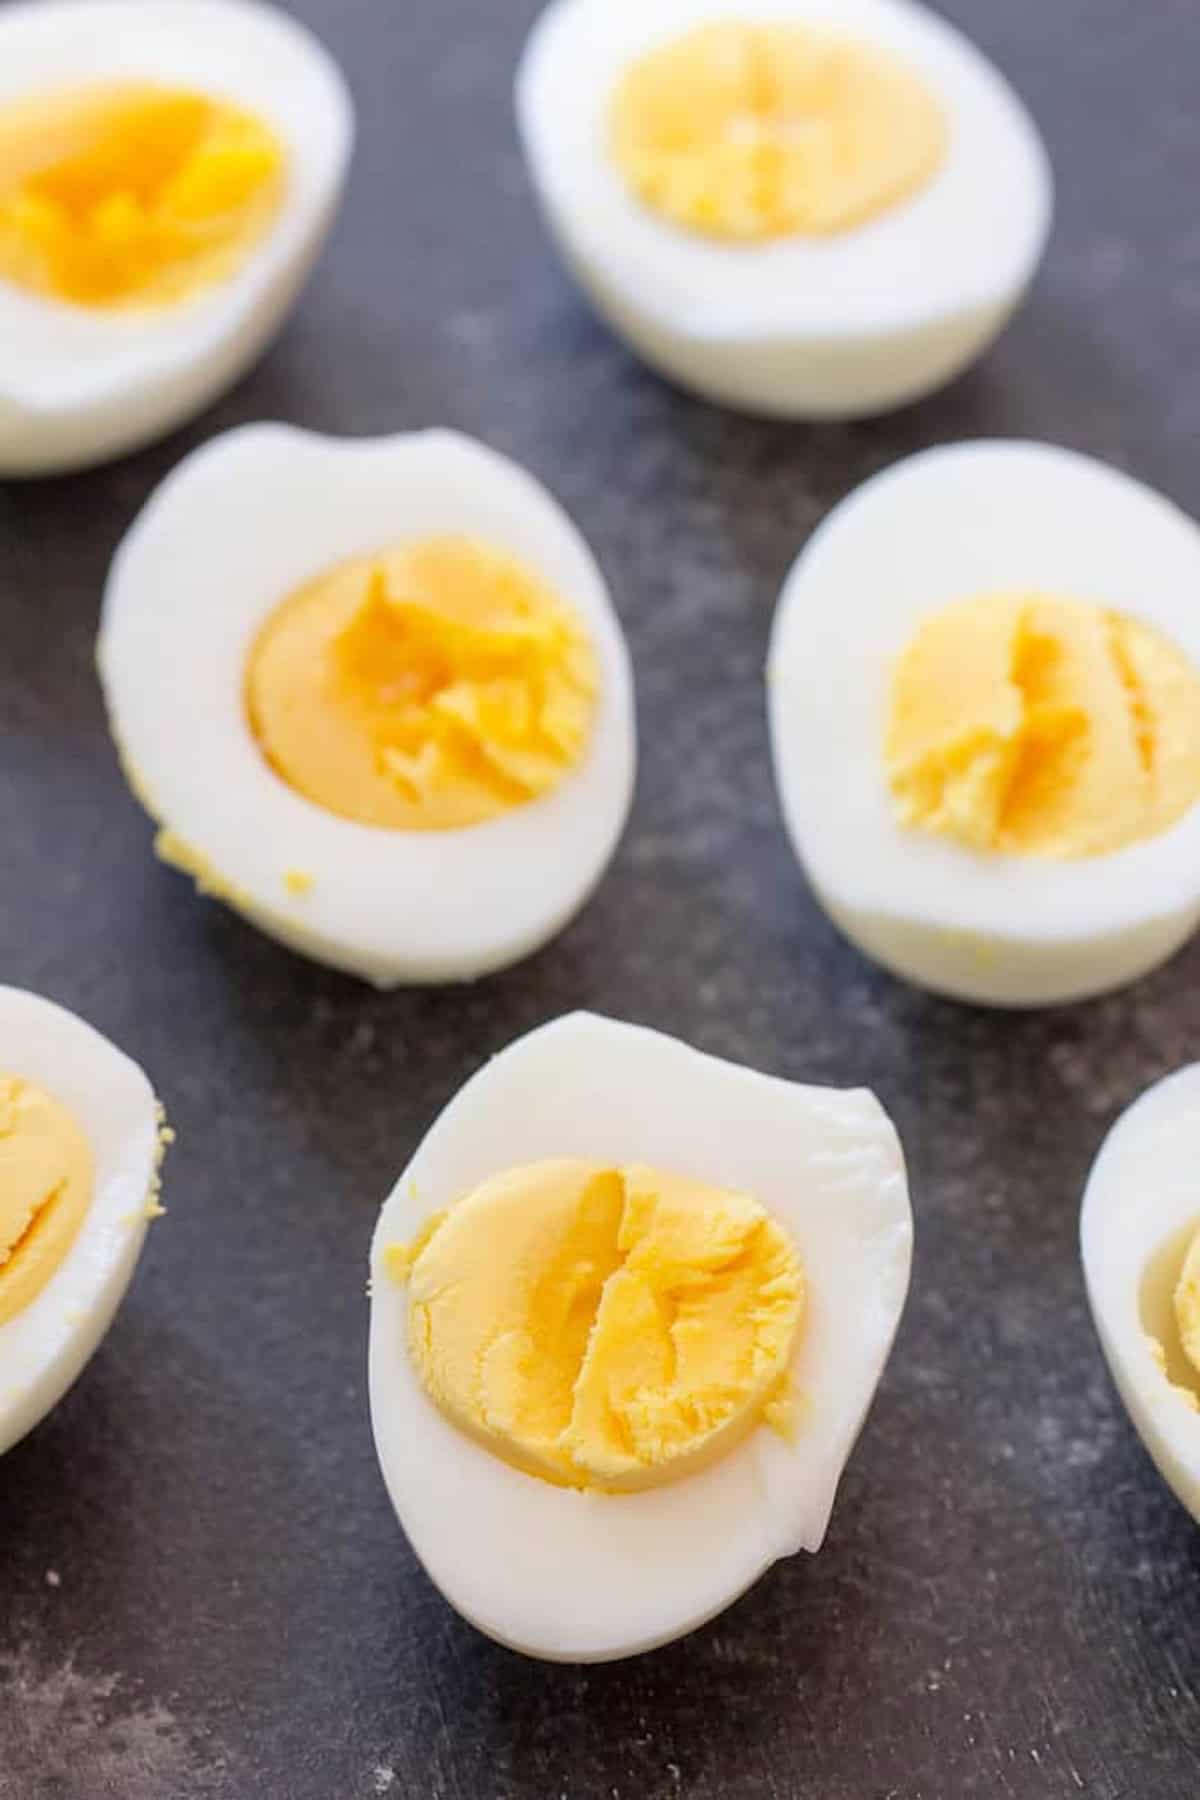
[[602, 1327], [46, 1178], [1040, 726], [131, 194], [432, 686], [751, 132]]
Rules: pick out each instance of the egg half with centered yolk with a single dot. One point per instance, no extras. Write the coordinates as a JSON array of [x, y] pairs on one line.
[[984, 696], [630, 1305], [798, 207], [1140, 1236], [375, 694], [168, 171], [81, 1139]]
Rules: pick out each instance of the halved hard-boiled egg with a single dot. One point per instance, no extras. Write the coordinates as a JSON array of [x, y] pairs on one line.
[[984, 695], [630, 1305], [375, 694], [798, 207], [81, 1139], [168, 170], [1140, 1235]]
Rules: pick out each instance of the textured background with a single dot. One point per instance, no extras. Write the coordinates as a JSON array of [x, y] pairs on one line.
[[202, 1587]]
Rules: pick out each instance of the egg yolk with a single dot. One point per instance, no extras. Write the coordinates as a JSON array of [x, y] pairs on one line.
[[433, 686], [1187, 1305], [752, 132], [46, 1179], [1040, 726], [131, 194], [609, 1328]]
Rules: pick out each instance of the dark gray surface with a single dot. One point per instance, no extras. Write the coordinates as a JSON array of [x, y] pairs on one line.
[[1009, 1600]]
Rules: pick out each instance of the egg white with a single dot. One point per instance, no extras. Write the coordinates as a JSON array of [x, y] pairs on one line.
[[799, 328], [1142, 1196], [571, 1576], [45, 1345], [79, 384], [942, 526], [230, 533]]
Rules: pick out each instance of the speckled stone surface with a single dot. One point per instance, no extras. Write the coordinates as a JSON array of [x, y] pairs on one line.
[[203, 1591]]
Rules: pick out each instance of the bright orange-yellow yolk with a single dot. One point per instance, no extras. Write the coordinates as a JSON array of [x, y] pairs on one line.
[[750, 132], [46, 1180], [1040, 726], [609, 1328], [433, 686], [133, 194]]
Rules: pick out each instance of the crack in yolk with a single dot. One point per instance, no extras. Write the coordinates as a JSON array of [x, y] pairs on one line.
[[752, 132], [46, 1181], [1040, 726], [600, 1327], [132, 194], [430, 687]]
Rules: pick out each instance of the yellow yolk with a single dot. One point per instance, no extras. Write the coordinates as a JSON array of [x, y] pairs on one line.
[[752, 131], [46, 1178], [432, 686], [1187, 1304], [602, 1327], [1040, 726], [131, 194]]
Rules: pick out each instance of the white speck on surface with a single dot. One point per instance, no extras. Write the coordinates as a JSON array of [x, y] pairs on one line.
[[78, 1732], [385, 1778], [53, 1578]]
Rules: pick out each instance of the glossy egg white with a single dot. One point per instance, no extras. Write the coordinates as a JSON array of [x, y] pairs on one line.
[[1140, 1208], [230, 533], [46, 1345], [78, 384], [799, 328], [571, 1576], [947, 525]]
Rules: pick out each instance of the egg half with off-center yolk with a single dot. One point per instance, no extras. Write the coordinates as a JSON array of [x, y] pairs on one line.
[[1140, 1237], [630, 1305], [168, 171], [375, 694], [81, 1140], [797, 207], [984, 698]]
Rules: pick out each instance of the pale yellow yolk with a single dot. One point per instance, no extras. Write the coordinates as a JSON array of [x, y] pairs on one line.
[[131, 194], [433, 686], [601, 1327], [46, 1178], [1039, 726], [752, 132], [1187, 1303]]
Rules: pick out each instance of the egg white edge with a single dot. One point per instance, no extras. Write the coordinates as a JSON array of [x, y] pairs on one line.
[[437, 906], [782, 291], [45, 1346], [252, 54], [1144, 1187], [838, 814], [514, 1574]]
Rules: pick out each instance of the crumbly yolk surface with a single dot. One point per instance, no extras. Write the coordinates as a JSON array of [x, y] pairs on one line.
[[1187, 1304], [430, 687], [752, 132], [607, 1328], [1039, 726], [46, 1181], [132, 194]]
